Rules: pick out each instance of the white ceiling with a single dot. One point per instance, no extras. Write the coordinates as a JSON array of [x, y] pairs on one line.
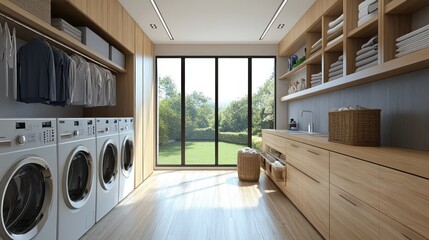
[[216, 21]]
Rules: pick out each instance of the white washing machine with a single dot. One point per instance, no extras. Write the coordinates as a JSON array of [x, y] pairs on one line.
[[107, 165], [127, 160], [28, 179], [77, 176]]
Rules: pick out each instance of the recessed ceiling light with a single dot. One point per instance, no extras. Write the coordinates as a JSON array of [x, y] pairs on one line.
[[164, 24], [281, 26], [273, 19], [153, 26]]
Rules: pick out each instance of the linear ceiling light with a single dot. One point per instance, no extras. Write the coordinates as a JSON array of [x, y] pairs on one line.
[[273, 19], [162, 19]]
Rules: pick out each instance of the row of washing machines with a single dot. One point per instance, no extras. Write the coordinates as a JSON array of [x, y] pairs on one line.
[[58, 177]]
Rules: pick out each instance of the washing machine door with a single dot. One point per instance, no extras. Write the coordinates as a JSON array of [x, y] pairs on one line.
[[127, 160], [77, 181], [108, 165], [26, 198]]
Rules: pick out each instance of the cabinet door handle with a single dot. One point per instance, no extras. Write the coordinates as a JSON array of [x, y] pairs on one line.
[[354, 204], [315, 153], [406, 236], [310, 177]]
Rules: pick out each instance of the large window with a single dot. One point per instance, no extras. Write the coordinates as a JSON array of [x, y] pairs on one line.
[[210, 107]]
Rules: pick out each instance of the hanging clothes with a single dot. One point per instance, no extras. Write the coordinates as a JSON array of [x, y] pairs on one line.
[[72, 85], [61, 75], [81, 92], [36, 73], [97, 86]]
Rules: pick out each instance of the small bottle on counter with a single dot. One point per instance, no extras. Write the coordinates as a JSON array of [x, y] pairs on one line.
[[293, 125]]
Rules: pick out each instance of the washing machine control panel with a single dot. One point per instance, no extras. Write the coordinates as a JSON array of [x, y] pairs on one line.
[[126, 124], [107, 126], [72, 129], [25, 133]]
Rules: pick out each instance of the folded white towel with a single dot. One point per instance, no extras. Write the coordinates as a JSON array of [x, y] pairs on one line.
[[316, 84], [373, 41], [366, 3], [335, 73], [335, 77], [335, 40], [277, 164], [336, 21], [340, 58], [400, 54], [318, 42], [366, 55], [368, 9], [336, 68], [412, 39], [413, 33], [368, 65], [336, 64], [316, 81], [367, 49], [415, 44], [317, 48], [316, 74], [366, 18], [366, 61], [336, 28]]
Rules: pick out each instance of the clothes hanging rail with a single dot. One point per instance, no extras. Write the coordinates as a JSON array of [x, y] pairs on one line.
[[56, 41]]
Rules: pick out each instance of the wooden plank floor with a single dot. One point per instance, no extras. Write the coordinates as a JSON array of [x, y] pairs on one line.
[[204, 205]]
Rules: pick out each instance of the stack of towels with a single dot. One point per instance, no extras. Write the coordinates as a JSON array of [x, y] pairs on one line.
[[316, 79], [367, 56], [66, 27], [316, 46], [336, 69], [413, 41], [367, 10], [335, 31]]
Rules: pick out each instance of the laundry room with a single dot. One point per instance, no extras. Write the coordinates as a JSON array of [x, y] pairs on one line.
[[199, 119]]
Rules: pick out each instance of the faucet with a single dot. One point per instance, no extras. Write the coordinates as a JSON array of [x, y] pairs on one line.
[[310, 128]]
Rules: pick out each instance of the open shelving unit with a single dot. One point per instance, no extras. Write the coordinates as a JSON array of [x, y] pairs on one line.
[[394, 19]]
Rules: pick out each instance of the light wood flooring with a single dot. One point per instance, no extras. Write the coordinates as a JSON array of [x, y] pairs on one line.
[[204, 205]]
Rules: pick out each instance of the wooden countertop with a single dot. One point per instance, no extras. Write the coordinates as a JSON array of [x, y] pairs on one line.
[[403, 159]]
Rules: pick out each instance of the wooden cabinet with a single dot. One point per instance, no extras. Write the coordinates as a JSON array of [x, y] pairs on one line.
[[294, 180], [114, 21], [315, 203], [128, 31], [276, 142], [97, 11], [351, 218], [80, 4], [357, 177], [294, 153], [405, 198], [315, 162], [392, 230]]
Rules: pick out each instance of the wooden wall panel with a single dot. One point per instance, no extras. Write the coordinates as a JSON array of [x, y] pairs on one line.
[[138, 105], [149, 109], [114, 22], [97, 11], [128, 31]]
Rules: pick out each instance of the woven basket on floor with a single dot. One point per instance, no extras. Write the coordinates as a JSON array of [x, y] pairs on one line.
[[355, 127], [248, 166]]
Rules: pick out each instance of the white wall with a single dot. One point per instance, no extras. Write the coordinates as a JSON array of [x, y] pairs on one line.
[[235, 50]]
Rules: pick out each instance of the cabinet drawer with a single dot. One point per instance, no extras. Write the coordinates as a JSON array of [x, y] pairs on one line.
[[405, 198], [315, 162], [294, 153], [315, 204], [294, 185], [359, 178], [276, 142], [351, 218], [392, 230]]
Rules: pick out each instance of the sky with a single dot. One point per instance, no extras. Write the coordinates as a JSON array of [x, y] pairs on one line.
[[200, 75]]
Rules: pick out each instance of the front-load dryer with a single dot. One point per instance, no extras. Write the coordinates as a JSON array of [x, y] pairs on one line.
[[107, 140], [127, 160], [77, 176], [28, 179]]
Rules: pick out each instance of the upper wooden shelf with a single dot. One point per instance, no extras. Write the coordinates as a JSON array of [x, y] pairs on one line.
[[294, 71], [408, 63], [46, 29], [366, 30], [315, 58], [337, 46], [405, 6]]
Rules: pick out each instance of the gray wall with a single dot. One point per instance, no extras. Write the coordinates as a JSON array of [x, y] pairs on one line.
[[404, 101], [9, 108]]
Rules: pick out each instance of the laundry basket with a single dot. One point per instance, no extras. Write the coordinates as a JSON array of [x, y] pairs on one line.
[[248, 164]]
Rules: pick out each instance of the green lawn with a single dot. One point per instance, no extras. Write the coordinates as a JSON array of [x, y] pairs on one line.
[[198, 153]]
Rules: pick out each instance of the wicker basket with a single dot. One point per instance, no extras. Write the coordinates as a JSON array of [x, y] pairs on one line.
[[277, 172], [248, 166], [355, 127], [39, 8]]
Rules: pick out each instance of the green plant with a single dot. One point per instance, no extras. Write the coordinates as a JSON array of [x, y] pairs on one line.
[[299, 62]]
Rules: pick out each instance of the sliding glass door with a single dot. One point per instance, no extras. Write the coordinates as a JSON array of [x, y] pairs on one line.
[[210, 107]]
